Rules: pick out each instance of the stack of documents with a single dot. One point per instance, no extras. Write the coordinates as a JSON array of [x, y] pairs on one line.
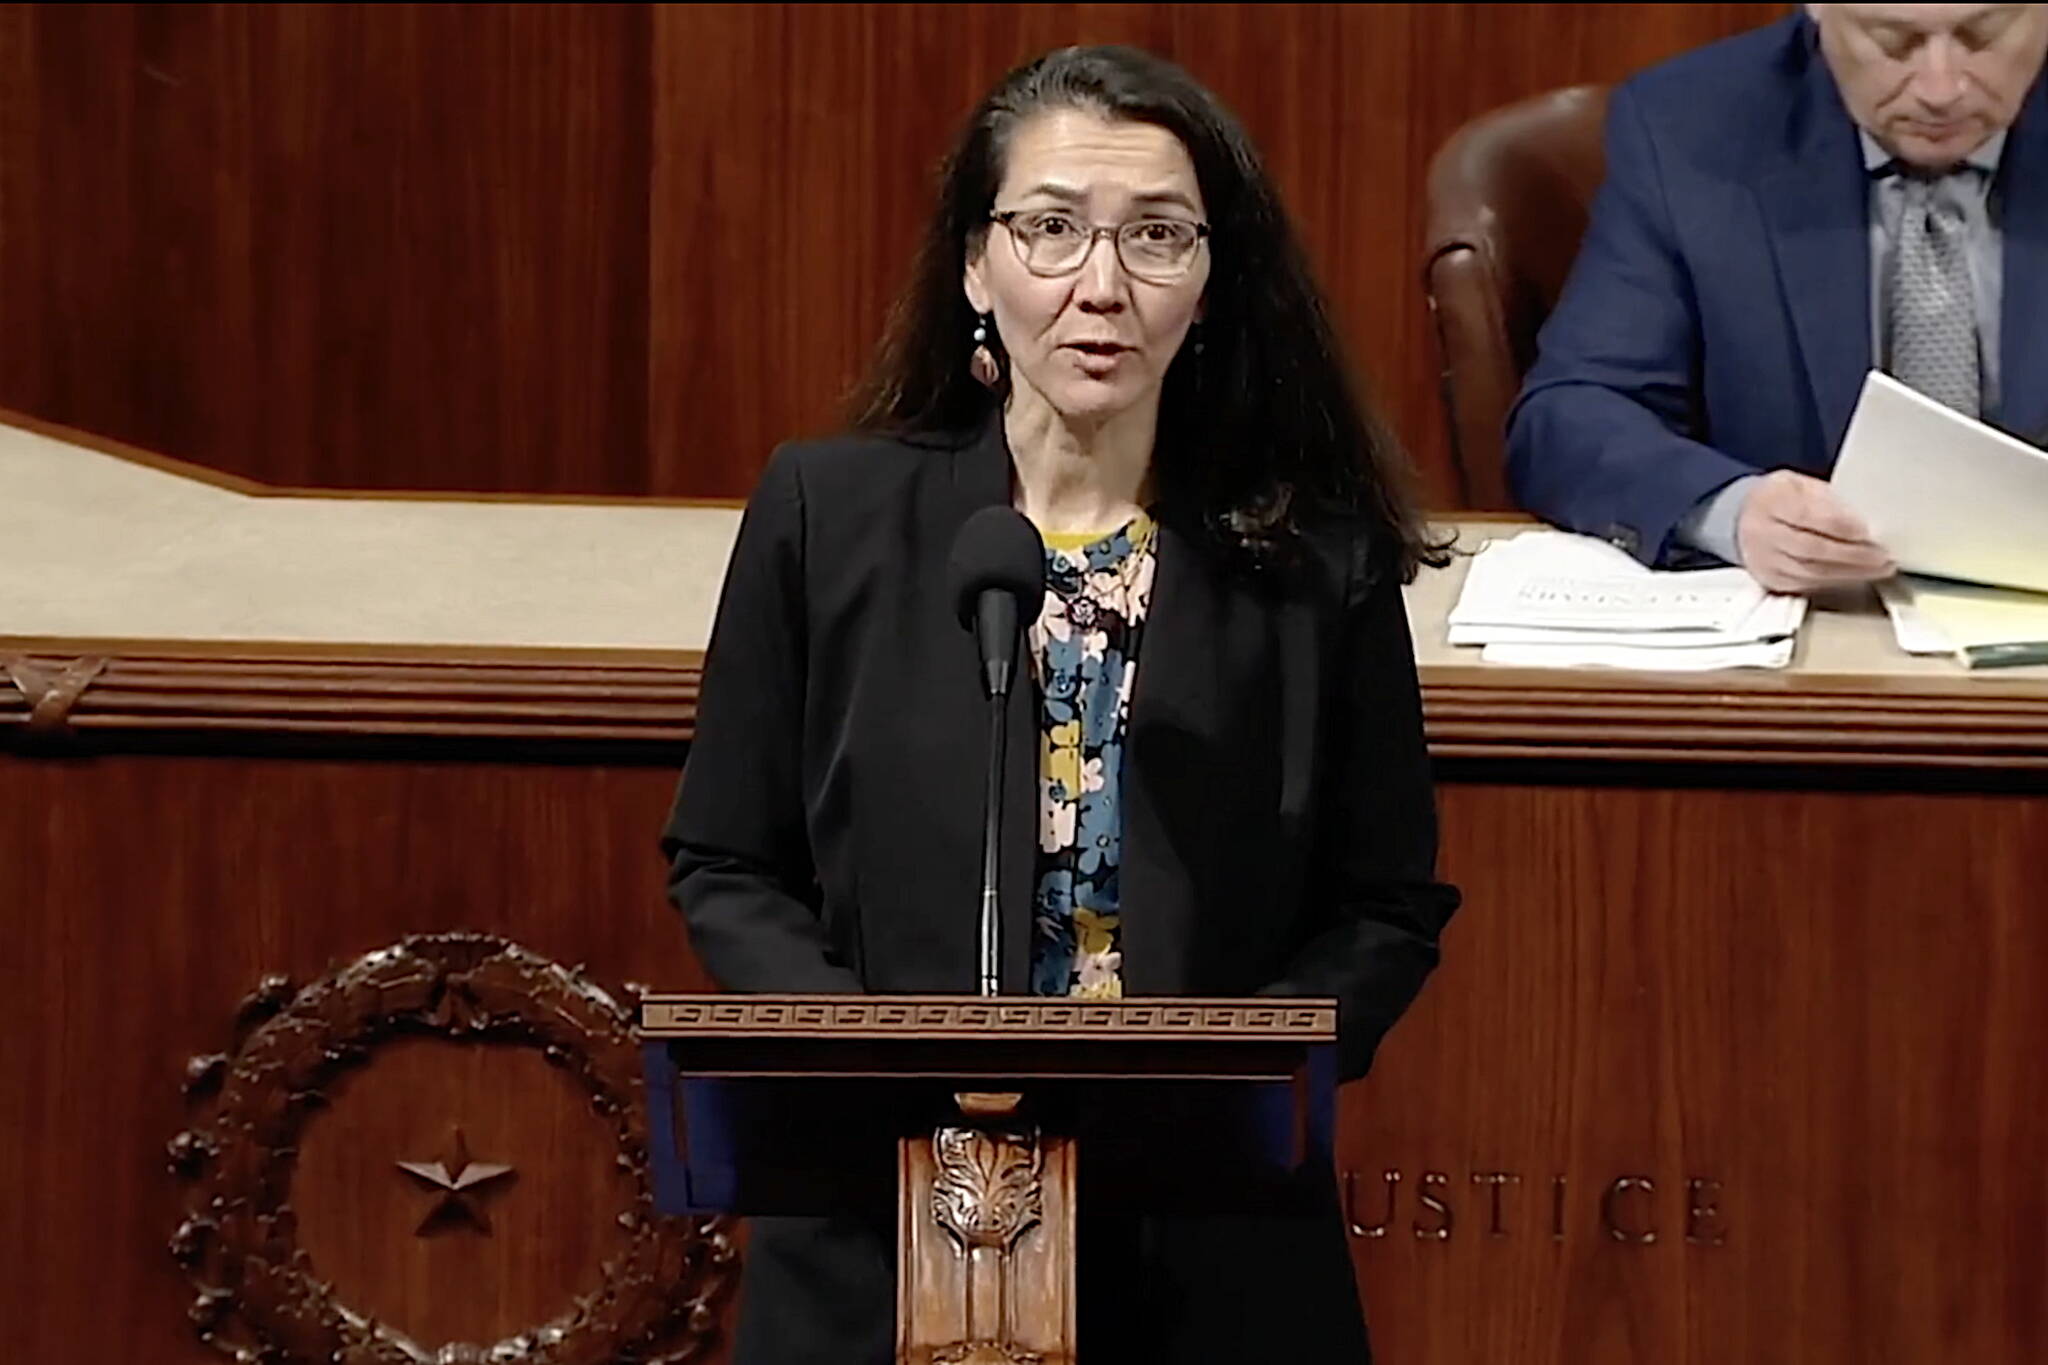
[[1552, 599], [1983, 627], [1959, 504]]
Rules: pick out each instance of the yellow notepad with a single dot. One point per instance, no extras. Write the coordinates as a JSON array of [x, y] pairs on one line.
[[1987, 627]]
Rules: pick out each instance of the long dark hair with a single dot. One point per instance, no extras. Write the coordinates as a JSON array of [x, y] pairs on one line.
[[1260, 429]]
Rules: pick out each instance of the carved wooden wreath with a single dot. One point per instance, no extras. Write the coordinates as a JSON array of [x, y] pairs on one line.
[[257, 1298]]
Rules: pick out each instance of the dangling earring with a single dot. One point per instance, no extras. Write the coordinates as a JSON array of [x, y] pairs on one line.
[[1198, 339], [982, 364]]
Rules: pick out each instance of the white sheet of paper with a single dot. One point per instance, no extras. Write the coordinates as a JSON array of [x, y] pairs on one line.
[[1704, 659], [1946, 494], [1914, 632]]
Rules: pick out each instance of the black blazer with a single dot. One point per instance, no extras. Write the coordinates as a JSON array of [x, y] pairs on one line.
[[1279, 825]]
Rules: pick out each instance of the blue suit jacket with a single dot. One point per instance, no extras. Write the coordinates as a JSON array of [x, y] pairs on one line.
[[1717, 322]]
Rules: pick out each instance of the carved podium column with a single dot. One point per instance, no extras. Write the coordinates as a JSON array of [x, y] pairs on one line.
[[985, 1249]]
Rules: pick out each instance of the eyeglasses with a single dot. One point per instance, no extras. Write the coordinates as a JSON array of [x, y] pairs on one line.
[[1053, 242]]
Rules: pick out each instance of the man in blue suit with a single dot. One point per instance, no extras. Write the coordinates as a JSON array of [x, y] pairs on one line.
[[1855, 186]]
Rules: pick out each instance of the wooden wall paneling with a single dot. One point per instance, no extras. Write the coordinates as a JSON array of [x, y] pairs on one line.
[[628, 248], [399, 1247], [1821, 1000], [379, 246], [145, 896], [1819, 997]]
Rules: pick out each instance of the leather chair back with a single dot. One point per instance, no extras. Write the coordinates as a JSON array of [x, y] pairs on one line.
[[1509, 195]]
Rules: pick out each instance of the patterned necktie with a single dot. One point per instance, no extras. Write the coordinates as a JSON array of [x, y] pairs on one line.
[[1933, 308]]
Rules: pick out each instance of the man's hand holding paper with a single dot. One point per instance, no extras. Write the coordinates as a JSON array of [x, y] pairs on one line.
[[1796, 535]]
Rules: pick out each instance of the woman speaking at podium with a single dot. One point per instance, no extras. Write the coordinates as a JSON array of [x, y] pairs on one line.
[[1220, 782]]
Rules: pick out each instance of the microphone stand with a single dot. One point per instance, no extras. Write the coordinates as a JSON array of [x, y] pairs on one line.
[[996, 637], [991, 842]]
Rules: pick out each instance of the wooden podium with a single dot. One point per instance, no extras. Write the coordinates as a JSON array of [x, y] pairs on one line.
[[986, 1117]]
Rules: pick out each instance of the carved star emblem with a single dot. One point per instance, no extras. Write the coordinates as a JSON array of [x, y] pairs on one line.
[[460, 1181]]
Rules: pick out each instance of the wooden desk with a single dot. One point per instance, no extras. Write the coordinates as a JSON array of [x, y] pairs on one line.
[[1729, 1059], [1731, 1055], [1850, 698]]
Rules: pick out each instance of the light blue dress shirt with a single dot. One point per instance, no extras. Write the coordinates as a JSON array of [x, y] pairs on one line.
[[1711, 525]]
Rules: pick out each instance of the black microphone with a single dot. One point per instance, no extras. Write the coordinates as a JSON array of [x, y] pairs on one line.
[[997, 572], [998, 576]]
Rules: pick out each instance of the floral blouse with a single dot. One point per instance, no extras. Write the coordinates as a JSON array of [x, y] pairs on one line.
[[1084, 650]]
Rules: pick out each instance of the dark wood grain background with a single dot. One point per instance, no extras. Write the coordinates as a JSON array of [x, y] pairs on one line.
[[1819, 998], [144, 896], [627, 248]]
